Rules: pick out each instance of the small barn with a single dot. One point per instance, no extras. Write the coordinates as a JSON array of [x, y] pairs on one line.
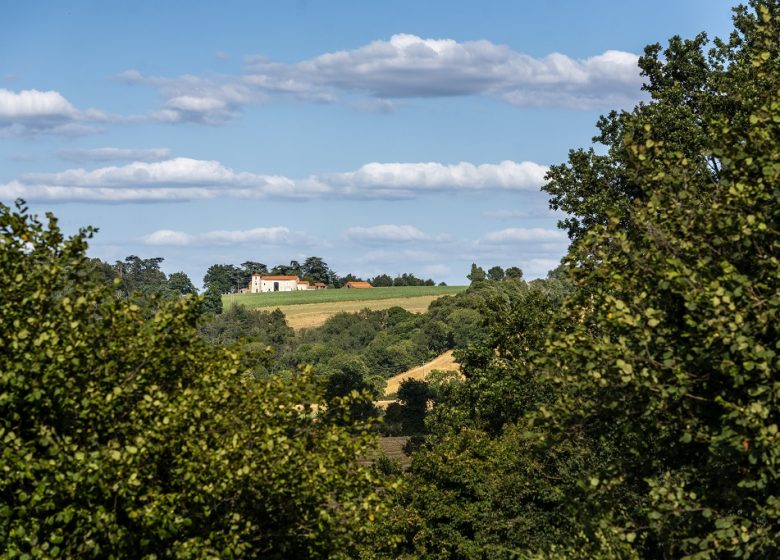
[[359, 285]]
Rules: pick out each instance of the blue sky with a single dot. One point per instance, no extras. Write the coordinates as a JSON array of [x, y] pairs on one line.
[[384, 137]]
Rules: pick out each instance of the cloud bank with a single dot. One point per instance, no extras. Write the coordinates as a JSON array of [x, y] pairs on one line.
[[405, 66], [181, 179]]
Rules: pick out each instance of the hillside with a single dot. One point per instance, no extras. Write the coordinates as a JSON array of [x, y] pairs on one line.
[[277, 299]]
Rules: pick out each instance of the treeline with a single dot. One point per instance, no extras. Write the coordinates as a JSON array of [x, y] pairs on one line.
[[137, 277], [228, 278]]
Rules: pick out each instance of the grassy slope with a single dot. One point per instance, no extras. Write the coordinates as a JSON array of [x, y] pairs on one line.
[[278, 299]]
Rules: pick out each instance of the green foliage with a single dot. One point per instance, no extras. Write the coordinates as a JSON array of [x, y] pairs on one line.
[[142, 277], [477, 274], [407, 279], [125, 435], [212, 302], [180, 283], [635, 413], [381, 281], [223, 279], [681, 345], [513, 273], [317, 270], [255, 335], [496, 273]]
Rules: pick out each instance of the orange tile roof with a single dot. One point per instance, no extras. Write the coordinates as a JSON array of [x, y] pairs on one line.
[[278, 278], [359, 285]]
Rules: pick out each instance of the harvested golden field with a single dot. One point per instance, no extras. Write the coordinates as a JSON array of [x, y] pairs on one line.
[[445, 362], [315, 314]]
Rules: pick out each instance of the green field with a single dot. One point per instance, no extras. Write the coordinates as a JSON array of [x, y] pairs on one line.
[[276, 299]]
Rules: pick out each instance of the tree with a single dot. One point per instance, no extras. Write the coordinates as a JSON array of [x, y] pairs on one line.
[[125, 435], [671, 354], [248, 268], [495, 273], [102, 270], [477, 274], [223, 279], [413, 395], [293, 269], [142, 276], [382, 281], [637, 416], [180, 283], [348, 376], [315, 269], [514, 273], [212, 302]]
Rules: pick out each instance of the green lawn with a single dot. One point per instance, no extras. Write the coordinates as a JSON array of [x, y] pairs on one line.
[[274, 299]]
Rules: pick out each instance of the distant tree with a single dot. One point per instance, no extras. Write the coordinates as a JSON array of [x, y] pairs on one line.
[[292, 269], [348, 373], [101, 270], [442, 283], [249, 268], [223, 278], [212, 302], [496, 273], [315, 269], [430, 282], [180, 283], [408, 279], [382, 281], [413, 396], [513, 273], [141, 276], [477, 274]]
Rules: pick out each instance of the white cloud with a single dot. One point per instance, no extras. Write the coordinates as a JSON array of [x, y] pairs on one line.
[[406, 66], [404, 179], [191, 179], [32, 112], [266, 235], [115, 154], [389, 232], [522, 235]]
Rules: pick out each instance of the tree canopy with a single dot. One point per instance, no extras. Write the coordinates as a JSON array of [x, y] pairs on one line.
[[126, 435]]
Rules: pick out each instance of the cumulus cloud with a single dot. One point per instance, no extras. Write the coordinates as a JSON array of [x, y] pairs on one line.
[[390, 232], [522, 235], [192, 179], [265, 235], [406, 66], [33, 112], [114, 154]]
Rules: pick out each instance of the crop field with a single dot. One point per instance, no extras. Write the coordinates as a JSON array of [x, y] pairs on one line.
[[279, 299]]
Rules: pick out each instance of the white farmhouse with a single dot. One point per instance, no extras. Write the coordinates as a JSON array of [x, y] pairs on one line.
[[261, 283]]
